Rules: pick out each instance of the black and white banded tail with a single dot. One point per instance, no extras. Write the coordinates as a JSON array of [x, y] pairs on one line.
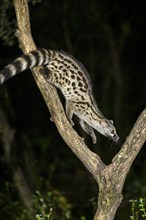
[[70, 76], [37, 57]]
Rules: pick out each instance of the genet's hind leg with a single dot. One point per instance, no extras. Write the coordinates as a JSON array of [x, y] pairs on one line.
[[45, 71], [88, 129], [69, 111]]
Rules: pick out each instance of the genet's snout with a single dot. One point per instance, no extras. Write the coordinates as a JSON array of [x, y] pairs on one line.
[[115, 138]]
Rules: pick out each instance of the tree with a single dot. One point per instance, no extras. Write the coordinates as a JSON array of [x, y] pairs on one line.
[[110, 179]]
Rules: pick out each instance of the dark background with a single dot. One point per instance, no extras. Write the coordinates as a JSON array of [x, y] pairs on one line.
[[109, 38]]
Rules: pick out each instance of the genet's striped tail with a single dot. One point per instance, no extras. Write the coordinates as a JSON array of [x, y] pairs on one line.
[[35, 58]]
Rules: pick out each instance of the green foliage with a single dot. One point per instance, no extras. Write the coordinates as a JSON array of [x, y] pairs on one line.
[[138, 209], [93, 201], [51, 206], [7, 23], [9, 204], [83, 218]]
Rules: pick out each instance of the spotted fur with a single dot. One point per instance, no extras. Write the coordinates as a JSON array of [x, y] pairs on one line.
[[70, 76]]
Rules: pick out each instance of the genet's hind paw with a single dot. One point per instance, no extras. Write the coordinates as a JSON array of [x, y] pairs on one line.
[[94, 139], [71, 122]]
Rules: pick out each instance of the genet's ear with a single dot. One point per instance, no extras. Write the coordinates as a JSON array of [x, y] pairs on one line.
[[112, 121]]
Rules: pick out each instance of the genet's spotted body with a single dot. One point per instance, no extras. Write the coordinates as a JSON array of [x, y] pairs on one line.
[[71, 77]]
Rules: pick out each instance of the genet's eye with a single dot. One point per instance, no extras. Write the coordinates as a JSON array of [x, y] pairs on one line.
[[113, 132]]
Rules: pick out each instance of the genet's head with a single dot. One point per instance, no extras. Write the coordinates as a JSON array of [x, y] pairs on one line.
[[107, 128]]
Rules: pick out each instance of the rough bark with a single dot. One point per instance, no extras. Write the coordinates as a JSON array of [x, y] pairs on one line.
[[112, 177], [109, 178]]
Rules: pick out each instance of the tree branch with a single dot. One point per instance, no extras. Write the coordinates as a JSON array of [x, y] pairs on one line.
[[112, 177], [124, 158], [49, 93]]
